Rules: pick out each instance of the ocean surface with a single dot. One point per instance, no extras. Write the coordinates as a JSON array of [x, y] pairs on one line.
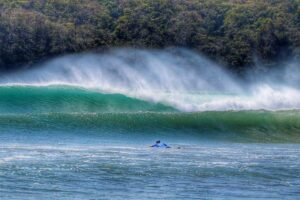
[[101, 151], [80, 127]]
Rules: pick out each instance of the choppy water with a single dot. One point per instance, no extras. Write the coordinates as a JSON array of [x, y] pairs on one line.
[[120, 171], [107, 156]]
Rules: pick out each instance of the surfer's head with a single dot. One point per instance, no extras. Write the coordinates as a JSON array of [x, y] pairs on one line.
[[158, 141]]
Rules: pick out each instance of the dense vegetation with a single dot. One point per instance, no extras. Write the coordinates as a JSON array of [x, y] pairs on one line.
[[235, 32]]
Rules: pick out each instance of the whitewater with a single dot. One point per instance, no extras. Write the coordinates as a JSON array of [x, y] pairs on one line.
[[80, 126]]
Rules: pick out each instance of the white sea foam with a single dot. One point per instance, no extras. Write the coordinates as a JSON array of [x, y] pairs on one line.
[[178, 77], [14, 158]]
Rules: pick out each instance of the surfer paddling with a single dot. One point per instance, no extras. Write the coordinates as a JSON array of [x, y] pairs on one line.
[[158, 144]]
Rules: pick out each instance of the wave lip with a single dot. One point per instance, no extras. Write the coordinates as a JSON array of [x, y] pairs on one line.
[[75, 99]]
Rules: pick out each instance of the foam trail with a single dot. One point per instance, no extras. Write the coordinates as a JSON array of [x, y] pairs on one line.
[[177, 77]]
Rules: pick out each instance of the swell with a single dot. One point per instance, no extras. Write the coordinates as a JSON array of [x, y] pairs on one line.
[[241, 126]]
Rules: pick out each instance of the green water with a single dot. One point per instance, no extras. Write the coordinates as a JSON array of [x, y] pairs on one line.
[[59, 142], [70, 108], [63, 99]]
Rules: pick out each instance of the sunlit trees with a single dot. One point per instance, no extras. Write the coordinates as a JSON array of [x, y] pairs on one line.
[[231, 31]]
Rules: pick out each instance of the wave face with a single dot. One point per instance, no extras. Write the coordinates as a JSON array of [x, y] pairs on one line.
[[129, 91], [65, 99]]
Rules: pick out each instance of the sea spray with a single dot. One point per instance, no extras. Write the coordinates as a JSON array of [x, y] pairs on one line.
[[179, 78]]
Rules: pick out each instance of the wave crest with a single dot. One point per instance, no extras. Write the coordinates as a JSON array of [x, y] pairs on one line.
[[179, 78]]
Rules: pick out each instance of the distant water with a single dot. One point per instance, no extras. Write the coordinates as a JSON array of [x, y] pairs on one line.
[[81, 126]]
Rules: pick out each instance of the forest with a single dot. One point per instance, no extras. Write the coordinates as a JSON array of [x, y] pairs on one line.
[[235, 33]]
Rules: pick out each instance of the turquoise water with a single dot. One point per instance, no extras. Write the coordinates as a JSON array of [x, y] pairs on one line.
[[74, 143]]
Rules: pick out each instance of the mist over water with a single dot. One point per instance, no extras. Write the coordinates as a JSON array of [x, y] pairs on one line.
[[176, 77]]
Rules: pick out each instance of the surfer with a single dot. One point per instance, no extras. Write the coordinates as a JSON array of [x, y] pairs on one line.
[[158, 144]]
